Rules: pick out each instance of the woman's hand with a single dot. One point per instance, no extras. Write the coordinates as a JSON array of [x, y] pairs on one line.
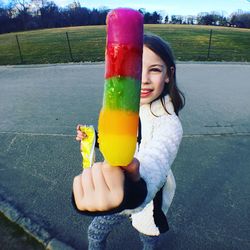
[[101, 187], [132, 170], [79, 134]]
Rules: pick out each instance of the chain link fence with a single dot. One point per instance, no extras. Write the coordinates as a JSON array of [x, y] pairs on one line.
[[88, 44]]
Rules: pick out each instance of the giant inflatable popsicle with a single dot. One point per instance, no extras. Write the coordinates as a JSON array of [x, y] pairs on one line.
[[119, 117]]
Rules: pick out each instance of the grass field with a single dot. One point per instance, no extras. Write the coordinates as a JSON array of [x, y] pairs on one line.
[[87, 43]]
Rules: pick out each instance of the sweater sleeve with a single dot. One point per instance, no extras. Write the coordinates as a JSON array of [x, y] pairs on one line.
[[157, 155]]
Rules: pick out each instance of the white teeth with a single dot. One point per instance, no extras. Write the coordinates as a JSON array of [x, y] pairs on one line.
[[145, 91]]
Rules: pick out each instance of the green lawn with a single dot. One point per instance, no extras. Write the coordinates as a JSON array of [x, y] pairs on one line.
[[87, 43]]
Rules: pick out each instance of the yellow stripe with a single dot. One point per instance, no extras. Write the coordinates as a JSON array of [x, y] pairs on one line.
[[118, 150]]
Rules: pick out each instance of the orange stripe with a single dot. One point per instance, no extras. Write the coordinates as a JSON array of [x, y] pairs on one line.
[[118, 122]]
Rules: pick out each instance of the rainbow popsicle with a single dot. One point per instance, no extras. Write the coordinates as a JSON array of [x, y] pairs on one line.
[[119, 117]]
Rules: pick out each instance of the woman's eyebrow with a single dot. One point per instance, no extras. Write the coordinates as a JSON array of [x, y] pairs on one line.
[[156, 65]]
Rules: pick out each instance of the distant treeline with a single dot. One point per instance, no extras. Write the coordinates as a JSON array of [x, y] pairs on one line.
[[20, 15]]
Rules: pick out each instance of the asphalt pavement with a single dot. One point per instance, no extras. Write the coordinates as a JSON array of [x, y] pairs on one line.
[[40, 106]]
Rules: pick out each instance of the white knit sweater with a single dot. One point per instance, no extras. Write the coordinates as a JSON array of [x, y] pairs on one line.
[[161, 137]]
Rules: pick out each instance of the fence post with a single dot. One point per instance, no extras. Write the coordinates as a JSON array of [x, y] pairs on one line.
[[19, 49], [209, 45], [70, 52]]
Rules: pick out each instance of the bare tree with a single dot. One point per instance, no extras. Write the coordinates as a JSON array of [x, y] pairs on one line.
[[166, 19], [21, 11], [240, 19]]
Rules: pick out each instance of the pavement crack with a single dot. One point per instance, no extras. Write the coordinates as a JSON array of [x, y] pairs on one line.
[[216, 134], [219, 125], [27, 149], [36, 134], [11, 143]]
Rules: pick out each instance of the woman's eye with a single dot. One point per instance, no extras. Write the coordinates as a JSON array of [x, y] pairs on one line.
[[155, 70]]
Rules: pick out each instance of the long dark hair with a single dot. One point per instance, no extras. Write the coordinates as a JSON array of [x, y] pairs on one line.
[[163, 50]]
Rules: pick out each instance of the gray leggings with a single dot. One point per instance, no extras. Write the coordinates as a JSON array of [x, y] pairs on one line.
[[101, 226]]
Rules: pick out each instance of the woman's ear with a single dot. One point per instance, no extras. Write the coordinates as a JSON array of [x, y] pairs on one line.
[[172, 70]]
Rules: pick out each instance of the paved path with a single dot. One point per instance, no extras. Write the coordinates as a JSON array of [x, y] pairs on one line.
[[40, 107]]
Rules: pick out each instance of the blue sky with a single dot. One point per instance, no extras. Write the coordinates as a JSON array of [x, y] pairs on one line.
[[170, 7]]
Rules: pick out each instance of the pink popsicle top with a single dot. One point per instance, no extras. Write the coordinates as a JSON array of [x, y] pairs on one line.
[[125, 26]]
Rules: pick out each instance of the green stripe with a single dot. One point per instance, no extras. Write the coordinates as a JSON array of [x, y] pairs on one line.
[[122, 93]]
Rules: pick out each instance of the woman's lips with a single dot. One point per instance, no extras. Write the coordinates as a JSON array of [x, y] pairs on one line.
[[145, 92]]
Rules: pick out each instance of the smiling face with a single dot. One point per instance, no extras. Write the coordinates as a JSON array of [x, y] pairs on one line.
[[154, 76]]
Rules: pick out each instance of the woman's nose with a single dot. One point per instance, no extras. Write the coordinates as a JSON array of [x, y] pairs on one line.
[[145, 77]]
